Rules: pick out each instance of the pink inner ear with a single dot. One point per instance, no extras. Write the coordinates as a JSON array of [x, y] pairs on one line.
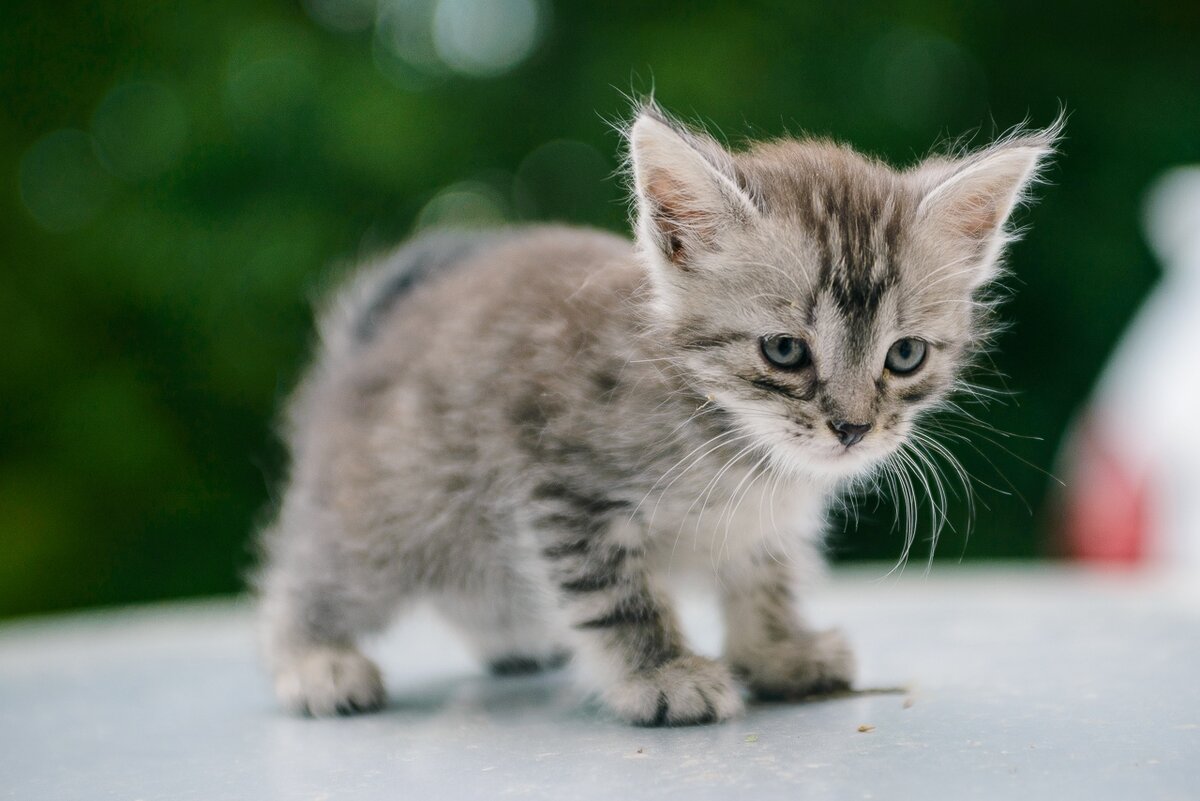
[[678, 215], [976, 201], [977, 214]]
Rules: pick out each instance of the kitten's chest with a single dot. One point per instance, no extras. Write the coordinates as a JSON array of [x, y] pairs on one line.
[[714, 521]]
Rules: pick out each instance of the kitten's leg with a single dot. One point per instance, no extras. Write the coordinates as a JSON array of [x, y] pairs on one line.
[[314, 607], [768, 644], [310, 640], [627, 633], [507, 626]]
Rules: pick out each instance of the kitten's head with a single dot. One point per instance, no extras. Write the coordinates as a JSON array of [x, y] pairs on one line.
[[822, 298]]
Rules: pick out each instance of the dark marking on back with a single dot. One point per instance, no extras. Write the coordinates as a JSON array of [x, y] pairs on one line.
[[411, 265]]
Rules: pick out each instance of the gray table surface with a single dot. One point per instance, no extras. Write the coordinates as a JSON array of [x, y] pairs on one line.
[[1021, 684]]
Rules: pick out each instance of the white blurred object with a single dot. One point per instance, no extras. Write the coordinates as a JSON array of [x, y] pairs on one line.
[[1132, 464]]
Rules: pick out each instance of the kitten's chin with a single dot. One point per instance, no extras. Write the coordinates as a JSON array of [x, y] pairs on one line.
[[834, 463]]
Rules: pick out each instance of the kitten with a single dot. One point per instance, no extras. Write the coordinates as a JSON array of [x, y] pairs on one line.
[[533, 427]]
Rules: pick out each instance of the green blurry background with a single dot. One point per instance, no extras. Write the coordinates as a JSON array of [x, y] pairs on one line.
[[176, 180]]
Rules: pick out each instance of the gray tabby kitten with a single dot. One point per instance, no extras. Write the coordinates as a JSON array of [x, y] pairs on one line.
[[533, 428]]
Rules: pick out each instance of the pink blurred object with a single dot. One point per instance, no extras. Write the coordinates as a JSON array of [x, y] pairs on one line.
[[1132, 462]]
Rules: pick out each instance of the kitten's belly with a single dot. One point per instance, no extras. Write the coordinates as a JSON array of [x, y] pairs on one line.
[[762, 517]]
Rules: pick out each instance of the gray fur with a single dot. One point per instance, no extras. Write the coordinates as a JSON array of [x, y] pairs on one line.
[[552, 421], [405, 269]]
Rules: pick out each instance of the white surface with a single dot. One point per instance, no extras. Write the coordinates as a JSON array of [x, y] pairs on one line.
[[1027, 685]]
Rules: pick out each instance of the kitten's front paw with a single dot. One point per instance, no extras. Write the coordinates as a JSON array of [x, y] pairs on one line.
[[323, 682], [683, 692], [798, 667]]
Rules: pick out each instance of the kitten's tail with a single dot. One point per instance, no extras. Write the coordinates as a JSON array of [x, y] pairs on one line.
[[353, 314]]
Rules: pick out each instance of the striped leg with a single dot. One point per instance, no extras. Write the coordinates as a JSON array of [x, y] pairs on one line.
[[626, 631], [768, 644]]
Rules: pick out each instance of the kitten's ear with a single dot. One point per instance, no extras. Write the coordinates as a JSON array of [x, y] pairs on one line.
[[686, 185], [969, 200]]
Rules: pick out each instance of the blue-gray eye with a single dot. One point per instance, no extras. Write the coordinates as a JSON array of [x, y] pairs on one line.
[[788, 353], [905, 356]]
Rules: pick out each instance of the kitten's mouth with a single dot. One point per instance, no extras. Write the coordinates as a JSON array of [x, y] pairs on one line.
[[852, 452], [836, 459]]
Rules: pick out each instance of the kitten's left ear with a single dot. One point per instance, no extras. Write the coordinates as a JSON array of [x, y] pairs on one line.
[[969, 200], [687, 188]]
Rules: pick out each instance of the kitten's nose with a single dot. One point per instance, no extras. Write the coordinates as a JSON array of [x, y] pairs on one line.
[[849, 433]]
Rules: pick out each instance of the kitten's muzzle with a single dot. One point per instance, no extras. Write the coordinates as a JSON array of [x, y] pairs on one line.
[[849, 433]]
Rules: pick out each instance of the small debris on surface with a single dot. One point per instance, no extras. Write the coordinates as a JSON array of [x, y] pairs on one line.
[[866, 727], [752, 738], [640, 751]]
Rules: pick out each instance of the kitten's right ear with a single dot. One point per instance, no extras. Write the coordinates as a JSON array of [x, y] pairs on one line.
[[686, 187]]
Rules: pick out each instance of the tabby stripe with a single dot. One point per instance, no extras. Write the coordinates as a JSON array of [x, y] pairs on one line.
[[763, 382], [626, 615], [561, 520], [915, 394], [580, 502], [565, 549], [714, 341], [592, 583]]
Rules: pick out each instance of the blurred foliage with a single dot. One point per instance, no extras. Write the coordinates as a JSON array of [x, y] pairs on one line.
[[178, 178]]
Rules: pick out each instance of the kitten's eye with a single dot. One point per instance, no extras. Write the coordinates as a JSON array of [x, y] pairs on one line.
[[905, 356], [785, 352]]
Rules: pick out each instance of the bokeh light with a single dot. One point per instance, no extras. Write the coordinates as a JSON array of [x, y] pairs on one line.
[[403, 47], [63, 184], [140, 130], [419, 40], [469, 204], [268, 80], [347, 16], [485, 37], [917, 79]]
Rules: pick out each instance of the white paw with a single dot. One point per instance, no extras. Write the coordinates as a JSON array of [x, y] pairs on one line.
[[795, 668], [685, 691], [329, 681]]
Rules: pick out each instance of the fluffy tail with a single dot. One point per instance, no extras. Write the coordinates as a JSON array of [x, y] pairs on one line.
[[353, 314]]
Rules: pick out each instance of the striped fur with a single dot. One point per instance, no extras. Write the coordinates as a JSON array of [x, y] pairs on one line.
[[534, 429]]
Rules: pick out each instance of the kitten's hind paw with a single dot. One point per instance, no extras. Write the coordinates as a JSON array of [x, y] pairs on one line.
[[323, 682], [796, 668], [685, 691]]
